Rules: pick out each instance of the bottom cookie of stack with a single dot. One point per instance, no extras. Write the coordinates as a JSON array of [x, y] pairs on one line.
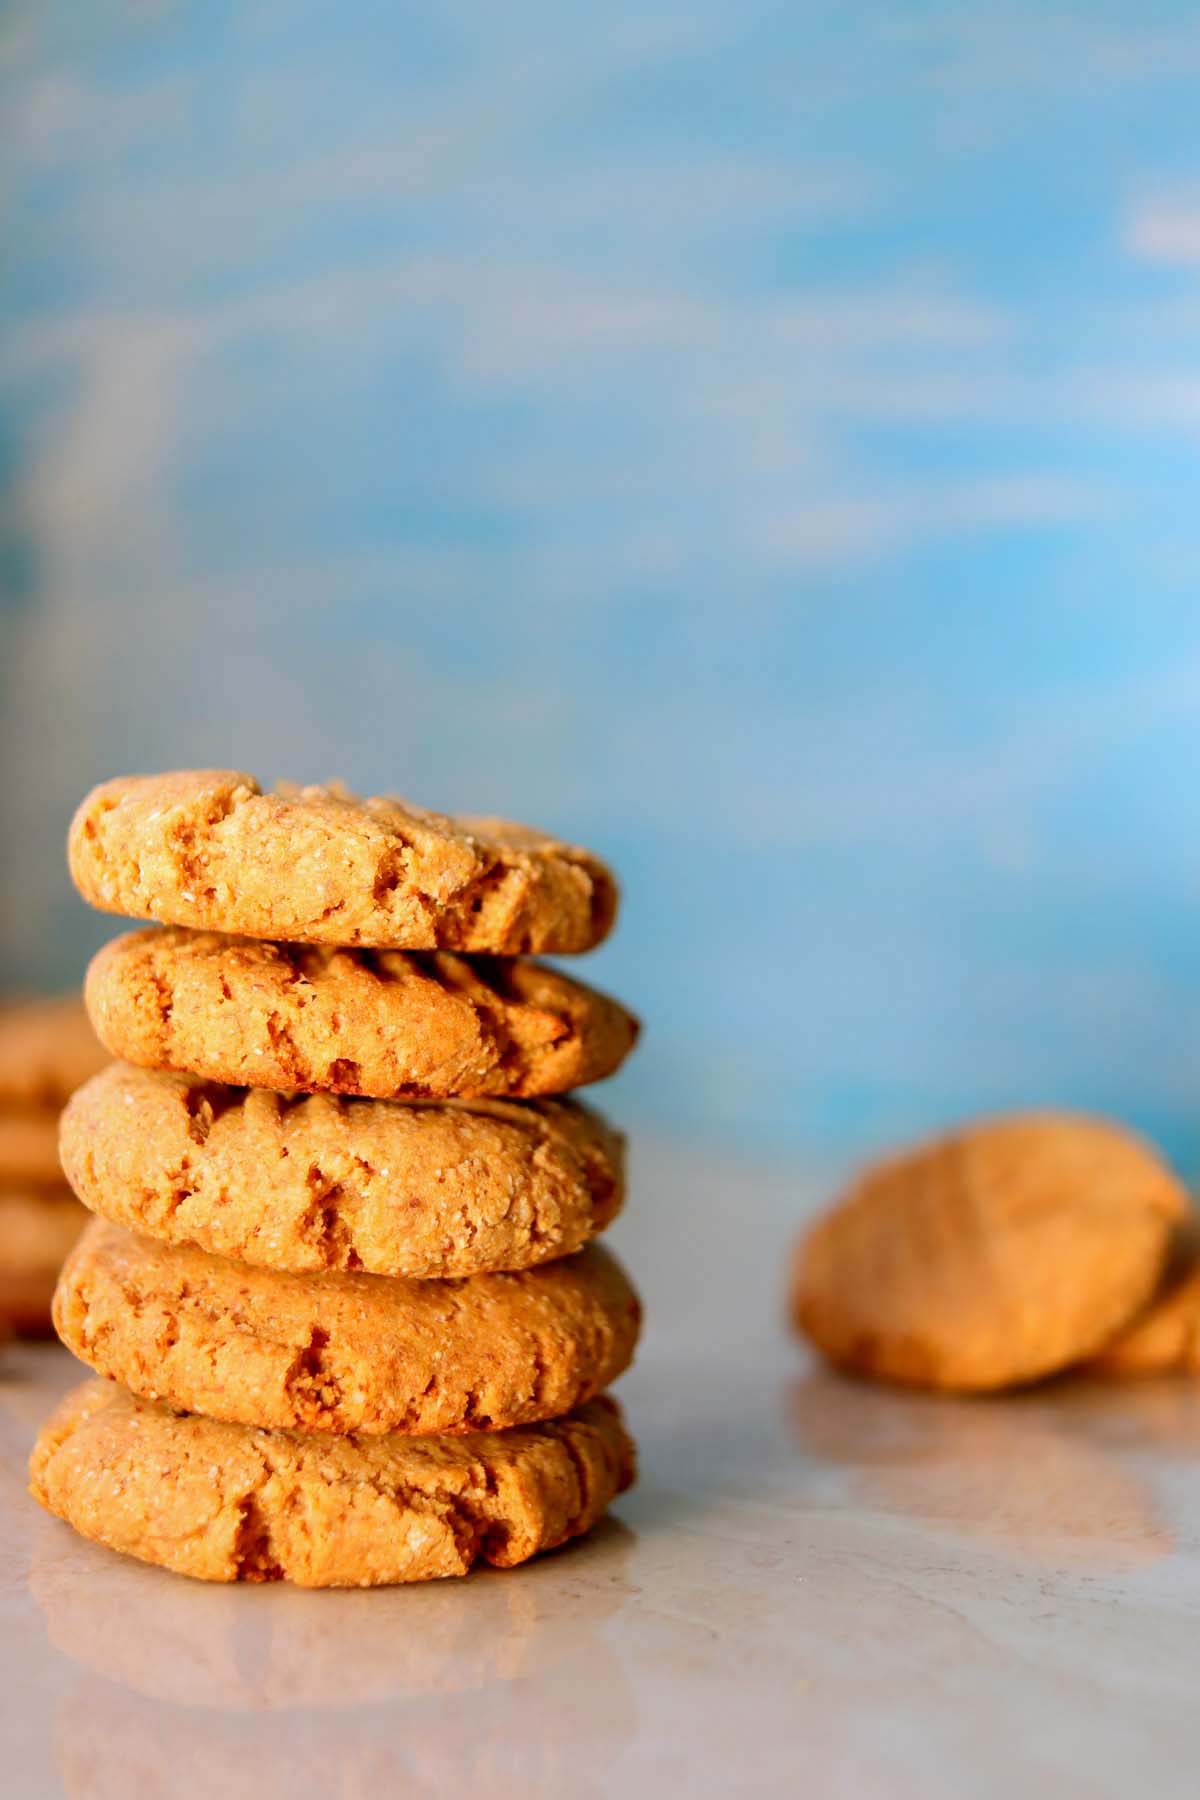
[[225, 1502]]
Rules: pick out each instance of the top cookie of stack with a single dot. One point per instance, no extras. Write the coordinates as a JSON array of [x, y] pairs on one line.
[[207, 848], [359, 993]]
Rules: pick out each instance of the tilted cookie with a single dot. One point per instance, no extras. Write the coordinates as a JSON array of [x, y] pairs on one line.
[[345, 1353], [1164, 1337], [228, 1503], [381, 1023], [47, 1047], [419, 1188], [1000, 1254], [207, 848]]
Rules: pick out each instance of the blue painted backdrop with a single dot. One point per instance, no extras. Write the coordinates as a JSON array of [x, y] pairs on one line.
[[759, 440]]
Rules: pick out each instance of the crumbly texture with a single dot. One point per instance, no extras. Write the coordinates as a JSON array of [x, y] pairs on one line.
[[382, 1023], [207, 848], [38, 1228], [990, 1258], [345, 1353], [1165, 1337], [29, 1147], [47, 1048], [313, 1182], [228, 1503]]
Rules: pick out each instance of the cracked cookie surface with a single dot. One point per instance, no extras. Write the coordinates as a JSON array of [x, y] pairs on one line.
[[228, 1503], [425, 1189], [992, 1257], [345, 1352], [209, 849], [385, 1024]]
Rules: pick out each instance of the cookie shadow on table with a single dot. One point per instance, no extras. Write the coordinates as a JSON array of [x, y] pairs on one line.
[[1050, 1474]]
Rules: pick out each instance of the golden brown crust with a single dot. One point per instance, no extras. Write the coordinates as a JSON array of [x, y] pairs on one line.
[[993, 1257], [345, 1353], [228, 1503], [208, 849], [384, 1024], [1164, 1338], [38, 1227], [424, 1189], [29, 1148], [47, 1048]]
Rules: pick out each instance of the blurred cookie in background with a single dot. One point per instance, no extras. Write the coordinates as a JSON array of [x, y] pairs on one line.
[[29, 1148], [37, 1230], [47, 1049], [1164, 1338], [1003, 1253]]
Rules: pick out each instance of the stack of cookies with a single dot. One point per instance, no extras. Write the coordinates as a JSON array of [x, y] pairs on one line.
[[47, 1048], [342, 1276]]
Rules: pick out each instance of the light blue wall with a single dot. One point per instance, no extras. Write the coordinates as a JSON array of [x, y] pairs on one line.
[[761, 441]]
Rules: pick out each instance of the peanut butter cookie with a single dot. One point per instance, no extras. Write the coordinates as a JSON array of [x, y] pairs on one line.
[[29, 1148], [425, 1189], [1164, 1338], [989, 1258], [345, 1352], [381, 1023], [37, 1230], [207, 848], [229, 1503], [47, 1048]]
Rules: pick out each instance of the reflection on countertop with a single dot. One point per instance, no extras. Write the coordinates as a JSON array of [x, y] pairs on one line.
[[343, 1700], [817, 1584], [1029, 1472]]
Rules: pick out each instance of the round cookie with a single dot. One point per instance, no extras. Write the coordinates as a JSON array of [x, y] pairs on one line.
[[47, 1047], [1165, 1337], [341, 1352], [383, 1023], [208, 849], [228, 1503], [418, 1188], [29, 1148], [989, 1258], [37, 1231]]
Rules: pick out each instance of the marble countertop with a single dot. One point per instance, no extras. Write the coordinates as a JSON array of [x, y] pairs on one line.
[[817, 1587]]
